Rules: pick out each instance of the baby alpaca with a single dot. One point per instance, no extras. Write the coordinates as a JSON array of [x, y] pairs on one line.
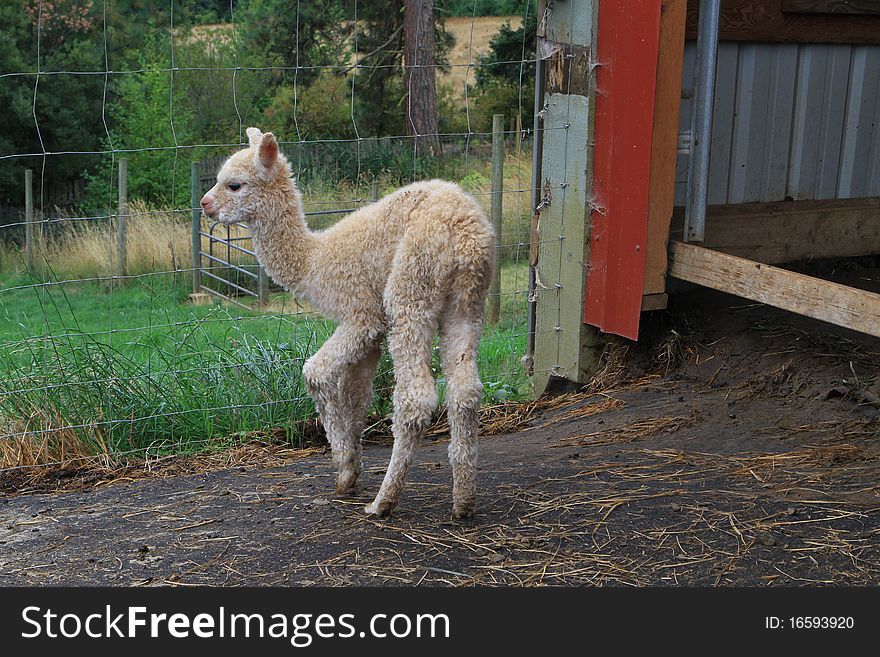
[[416, 261]]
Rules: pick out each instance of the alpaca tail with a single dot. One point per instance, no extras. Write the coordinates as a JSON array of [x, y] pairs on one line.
[[474, 269]]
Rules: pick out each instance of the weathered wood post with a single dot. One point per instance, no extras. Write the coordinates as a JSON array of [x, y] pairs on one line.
[[29, 220], [122, 219], [564, 346], [494, 303], [374, 190], [263, 286], [196, 230]]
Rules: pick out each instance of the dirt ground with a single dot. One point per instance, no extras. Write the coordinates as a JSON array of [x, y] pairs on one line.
[[748, 454]]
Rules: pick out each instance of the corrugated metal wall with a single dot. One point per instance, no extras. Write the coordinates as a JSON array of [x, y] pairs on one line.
[[799, 121]]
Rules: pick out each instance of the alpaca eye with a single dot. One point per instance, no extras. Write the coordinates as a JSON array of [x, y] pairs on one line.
[[234, 186]]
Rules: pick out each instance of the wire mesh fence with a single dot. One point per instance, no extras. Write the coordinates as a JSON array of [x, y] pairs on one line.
[[107, 350]]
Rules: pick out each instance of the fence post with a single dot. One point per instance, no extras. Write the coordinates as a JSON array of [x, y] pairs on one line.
[[122, 218], [518, 141], [374, 190], [263, 286], [196, 229], [494, 308], [29, 220], [563, 345]]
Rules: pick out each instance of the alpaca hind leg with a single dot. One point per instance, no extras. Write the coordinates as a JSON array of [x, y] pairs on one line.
[[415, 399], [459, 337], [356, 393]]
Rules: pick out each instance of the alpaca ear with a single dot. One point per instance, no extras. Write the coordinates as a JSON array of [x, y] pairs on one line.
[[267, 151], [254, 137]]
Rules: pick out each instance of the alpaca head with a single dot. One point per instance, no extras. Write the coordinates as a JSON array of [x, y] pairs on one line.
[[249, 182]]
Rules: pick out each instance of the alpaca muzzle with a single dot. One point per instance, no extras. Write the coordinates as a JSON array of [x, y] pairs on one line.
[[207, 204]]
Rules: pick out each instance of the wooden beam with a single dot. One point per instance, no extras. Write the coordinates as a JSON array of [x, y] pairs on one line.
[[664, 146], [654, 301], [830, 302], [788, 231], [831, 6], [764, 21]]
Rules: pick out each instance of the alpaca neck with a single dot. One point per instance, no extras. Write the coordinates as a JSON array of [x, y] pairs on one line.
[[283, 242]]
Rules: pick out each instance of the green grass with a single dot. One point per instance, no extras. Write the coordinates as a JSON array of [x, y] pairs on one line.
[[128, 367], [92, 367]]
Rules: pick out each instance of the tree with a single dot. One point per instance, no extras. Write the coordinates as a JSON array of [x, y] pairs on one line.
[[56, 113], [296, 39], [506, 74], [144, 129], [419, 75], [377, 79]]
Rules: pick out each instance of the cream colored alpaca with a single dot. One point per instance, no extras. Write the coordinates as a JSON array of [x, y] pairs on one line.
[[415, 261]]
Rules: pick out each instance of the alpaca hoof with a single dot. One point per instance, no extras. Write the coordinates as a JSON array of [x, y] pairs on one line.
[[379, 509], [463, 511], [345, 482]]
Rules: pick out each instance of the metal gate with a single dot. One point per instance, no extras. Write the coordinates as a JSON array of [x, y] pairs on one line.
[[218, 249]]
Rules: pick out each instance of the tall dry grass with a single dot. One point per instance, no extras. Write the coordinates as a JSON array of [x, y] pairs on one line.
[[37, 441], [157, 241]]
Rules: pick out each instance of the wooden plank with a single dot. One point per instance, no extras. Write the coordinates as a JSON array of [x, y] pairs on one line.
[[831, 6], [791, 231], [664, 146], [654, 301], [747, 20], [830, 302]]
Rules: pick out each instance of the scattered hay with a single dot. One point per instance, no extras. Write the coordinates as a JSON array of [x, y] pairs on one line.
[[512, 417], [48, 459], [673, 350], [633, 431], [785, 381], [604, 405], [612, 365]]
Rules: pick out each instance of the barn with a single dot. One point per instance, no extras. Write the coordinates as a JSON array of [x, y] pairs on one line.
[[707, 141]]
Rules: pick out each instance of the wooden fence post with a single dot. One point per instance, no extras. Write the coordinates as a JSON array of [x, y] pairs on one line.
[[122, 218], [494, 305], [29, 220], [374, 190], [564, 346], [518, 140], [263, 286], [196, 230]]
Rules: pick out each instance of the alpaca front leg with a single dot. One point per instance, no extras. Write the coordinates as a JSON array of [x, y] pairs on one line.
[[356, 394], [323, 387], [325, 376]]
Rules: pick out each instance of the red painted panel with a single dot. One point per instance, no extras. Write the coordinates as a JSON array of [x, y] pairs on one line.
[[628, 38]]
